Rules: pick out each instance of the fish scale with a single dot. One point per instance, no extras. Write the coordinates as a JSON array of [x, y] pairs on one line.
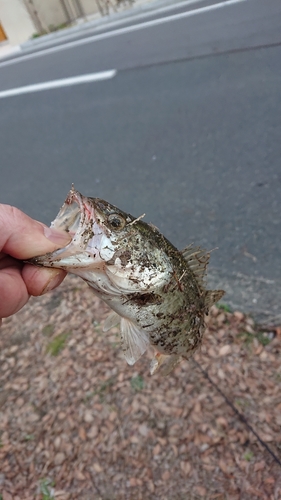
[[157, 293]]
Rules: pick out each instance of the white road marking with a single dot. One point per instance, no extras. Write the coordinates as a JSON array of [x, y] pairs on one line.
[[122, 31], [64, 82]]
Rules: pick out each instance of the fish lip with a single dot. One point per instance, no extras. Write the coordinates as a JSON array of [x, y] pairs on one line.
[[72, 217], [84, 220], [76, 204]]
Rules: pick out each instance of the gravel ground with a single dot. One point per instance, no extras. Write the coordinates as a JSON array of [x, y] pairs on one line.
[[76, 422]]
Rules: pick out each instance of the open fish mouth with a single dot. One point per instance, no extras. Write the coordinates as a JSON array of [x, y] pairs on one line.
[[71, 213], [78, 218]]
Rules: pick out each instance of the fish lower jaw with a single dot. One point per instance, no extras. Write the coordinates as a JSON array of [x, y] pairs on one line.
[[70, 261]]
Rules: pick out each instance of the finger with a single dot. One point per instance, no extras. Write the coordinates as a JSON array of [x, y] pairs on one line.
[[23, 237], [13, 291], [41, 280], [7, 261]]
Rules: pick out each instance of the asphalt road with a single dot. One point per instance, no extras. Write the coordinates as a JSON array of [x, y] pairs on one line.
[[187, 132]]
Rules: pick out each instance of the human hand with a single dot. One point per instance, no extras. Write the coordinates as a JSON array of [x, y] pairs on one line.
[[22, 238]]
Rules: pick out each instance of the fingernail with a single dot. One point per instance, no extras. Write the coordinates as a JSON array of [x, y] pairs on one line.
[[53, 282], [60, 238]]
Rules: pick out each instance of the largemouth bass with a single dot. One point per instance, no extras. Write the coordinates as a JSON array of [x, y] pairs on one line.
[[157, 293]]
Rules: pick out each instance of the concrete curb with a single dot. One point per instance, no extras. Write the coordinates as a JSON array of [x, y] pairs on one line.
[[139, 8], [7, 50]]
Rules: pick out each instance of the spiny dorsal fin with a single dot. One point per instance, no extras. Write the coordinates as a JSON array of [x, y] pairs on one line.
[[212, 296], [197, 260]]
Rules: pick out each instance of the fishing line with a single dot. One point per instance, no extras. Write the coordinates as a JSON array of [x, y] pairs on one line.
[[239, 415]]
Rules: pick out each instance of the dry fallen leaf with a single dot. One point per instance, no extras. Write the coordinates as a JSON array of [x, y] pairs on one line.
[[201, 491], [185, 467], [77, 423], [6, 495], [225, 350]]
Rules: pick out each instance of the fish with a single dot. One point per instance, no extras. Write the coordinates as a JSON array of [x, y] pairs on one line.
[[156, 293]]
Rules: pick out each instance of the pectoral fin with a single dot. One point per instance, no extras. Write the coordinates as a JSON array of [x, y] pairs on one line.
[[134, 340], [112, 320]]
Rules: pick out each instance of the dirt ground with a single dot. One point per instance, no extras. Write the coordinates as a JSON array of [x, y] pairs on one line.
[[76, 422]]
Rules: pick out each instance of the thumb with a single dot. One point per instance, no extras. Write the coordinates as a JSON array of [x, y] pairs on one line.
[[23, 237]]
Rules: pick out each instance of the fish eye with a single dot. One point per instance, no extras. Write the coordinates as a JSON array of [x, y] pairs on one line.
[[116, 221]]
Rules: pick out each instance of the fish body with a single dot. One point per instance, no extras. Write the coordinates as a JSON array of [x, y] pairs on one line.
[[156, 292]]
